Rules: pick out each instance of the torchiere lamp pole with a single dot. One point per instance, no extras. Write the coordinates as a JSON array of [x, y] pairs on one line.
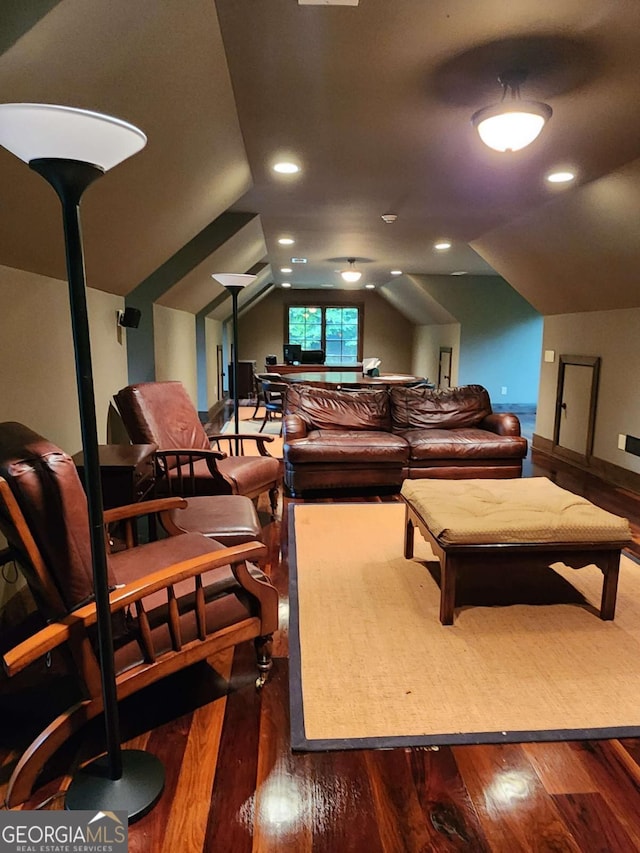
[[234, 282], [71, 148]]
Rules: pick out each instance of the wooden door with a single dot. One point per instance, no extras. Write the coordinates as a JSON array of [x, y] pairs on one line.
[[576, 400]]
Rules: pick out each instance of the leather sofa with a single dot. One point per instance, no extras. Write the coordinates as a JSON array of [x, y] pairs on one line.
[[343, 439]]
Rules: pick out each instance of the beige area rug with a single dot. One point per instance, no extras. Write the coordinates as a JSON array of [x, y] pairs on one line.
[[371, 665], [249, 425]]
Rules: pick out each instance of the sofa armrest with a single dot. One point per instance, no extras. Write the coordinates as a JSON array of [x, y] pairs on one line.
[[294, 427], [502, 423]]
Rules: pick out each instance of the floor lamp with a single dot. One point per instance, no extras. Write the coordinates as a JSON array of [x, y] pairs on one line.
[[70, 148], [233, 283]]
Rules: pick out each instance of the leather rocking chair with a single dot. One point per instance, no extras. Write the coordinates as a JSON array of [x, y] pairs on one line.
[[174, 601], [188, 461]]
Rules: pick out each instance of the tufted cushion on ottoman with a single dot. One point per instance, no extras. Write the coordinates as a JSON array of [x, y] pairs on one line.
[[510, 511]]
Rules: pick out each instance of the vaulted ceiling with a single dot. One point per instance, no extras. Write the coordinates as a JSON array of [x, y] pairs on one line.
[[374, 102]]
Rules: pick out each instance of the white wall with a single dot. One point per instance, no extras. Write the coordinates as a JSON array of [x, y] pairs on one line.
[[37, 382], [613, 336], [175, 348], [427, 341]]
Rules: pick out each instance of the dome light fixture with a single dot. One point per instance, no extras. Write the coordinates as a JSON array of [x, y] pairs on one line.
[[351, 275], [286, 167], [512, 124], [442, 245]]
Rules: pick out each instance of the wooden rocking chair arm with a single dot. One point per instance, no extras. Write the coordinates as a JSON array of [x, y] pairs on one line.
[[198, 453], [48, 638], [121, 513], [259, 439]]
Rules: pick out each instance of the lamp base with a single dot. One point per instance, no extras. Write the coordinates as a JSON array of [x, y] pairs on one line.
[[136, 791]]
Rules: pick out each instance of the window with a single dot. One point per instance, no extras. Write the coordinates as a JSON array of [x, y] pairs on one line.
[[334, 329]]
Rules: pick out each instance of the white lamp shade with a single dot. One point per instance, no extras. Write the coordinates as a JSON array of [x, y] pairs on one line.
[[510, 129], [351, 276], [35, 131], [233, 279]]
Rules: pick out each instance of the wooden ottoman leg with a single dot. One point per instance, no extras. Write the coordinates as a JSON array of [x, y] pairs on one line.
[[610, 566], [408, 534], [448, 576]]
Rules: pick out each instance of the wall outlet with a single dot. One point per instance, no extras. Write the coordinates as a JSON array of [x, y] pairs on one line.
[[622, 442], [549, 355], [503, 390]]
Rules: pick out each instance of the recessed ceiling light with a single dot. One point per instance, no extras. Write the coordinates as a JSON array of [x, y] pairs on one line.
[[389, 217], [442, 245], [286, 269], [459, 272], [370, 286], [396, 272], [286, 284], [286, 241], [561, 177], [286, 167]]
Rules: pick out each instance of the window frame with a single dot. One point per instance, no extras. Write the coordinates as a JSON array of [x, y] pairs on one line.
[[314, 303]]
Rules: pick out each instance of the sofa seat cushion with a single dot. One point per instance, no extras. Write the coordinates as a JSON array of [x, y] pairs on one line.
[[345, 446], [463, 444]]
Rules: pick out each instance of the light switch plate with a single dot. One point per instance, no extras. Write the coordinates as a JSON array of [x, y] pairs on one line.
[[622, 442], [549, 355]]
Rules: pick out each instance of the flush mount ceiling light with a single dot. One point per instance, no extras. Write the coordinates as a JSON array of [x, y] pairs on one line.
[[286, 269], [389, 217], [512, 124], [442, 245], [351, 275], [370, 286], [286, 167], [286, 284], [561, 177], [286, 241], [395, 272]]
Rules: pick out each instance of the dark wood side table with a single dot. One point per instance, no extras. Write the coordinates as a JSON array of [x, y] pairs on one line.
[[127, 472]]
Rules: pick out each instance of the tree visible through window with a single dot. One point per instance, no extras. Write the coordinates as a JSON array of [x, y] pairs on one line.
[[332, 329]]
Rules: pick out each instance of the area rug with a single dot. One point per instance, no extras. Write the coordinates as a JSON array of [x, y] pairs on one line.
[[249, 425], [527, 658]]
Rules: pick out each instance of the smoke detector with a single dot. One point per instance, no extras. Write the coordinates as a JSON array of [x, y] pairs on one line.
[[389, 218]]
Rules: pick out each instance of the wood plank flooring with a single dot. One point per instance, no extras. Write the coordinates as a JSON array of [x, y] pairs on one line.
[[233, 784]]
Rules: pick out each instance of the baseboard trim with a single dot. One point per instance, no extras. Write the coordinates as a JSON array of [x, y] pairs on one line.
[[612, 474]]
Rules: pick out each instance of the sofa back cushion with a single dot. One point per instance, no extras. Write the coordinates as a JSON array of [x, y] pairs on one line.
[[323, 408], [448, 408]]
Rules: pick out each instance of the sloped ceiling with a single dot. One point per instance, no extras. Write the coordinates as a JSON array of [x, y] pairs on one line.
[[161, 66], [374, 101]]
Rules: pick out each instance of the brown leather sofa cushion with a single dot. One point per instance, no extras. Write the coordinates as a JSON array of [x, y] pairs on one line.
[[348, 446], [323, 408], [449, 408], [463, 444]]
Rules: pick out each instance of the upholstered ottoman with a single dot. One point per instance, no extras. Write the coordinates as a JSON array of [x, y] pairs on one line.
[[468, 522]]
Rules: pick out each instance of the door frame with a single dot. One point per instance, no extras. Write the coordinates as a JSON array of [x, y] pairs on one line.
[[582, 361], [442, 350]]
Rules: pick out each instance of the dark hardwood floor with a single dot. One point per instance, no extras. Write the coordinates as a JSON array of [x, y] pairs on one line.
[[233, 784]]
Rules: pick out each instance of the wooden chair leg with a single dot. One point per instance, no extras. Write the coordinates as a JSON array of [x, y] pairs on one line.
[[263, 647], [273, 500]]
